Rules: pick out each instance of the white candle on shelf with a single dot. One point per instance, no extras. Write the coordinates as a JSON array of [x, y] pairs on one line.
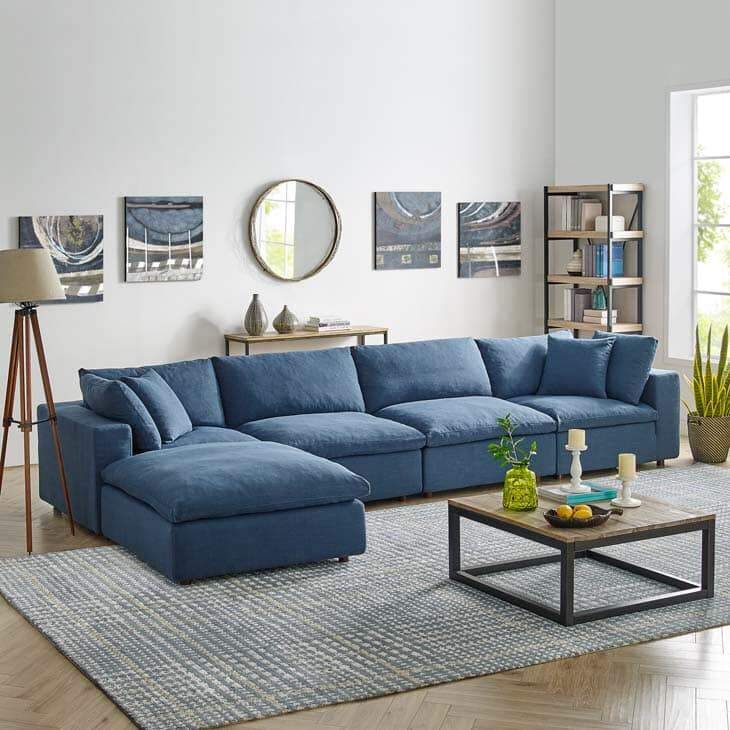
[[627, 467], [576, 438]]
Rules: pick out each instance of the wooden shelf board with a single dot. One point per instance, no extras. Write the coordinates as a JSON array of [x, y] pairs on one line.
[[617, 188], [305, 334], [599, 235], [595, 280], [590, 327]]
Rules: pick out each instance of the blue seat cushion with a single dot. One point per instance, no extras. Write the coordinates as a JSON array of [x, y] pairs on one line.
[[222, 480], [209, 435], [164, 406], [461, 420], [629, 366], [334, 435], [287, 383], [575, 367], [515, 364], [412, 371], [575, 411], [193, 382], [117, 401]]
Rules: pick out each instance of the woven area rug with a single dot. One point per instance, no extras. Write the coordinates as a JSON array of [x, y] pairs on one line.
[[250, 646]]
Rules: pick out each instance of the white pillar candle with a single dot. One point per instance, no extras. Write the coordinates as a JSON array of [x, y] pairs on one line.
[[576, 438], [627, 466]]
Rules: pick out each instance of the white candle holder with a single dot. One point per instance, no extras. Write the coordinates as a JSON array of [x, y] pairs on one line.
[[576, 472], [624, 498]]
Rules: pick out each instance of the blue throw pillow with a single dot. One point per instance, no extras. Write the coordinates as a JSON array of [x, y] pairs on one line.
[[167, 411], [628, 369], [576, 367], [113, 399], [515, 364]]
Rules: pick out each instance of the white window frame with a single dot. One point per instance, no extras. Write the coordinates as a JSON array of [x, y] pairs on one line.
[[696, 291]]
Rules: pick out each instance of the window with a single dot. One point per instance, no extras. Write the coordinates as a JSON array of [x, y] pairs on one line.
[[711, 152], [698, 255]]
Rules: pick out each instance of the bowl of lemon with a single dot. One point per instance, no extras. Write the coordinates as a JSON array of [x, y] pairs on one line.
[[582, 515]]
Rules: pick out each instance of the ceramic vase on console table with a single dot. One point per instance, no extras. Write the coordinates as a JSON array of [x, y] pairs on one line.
[[255, 320]]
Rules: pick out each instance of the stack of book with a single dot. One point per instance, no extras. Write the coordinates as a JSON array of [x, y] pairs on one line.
[[327, 323], [598, 493], [599, 316], [579, 214], [595, 259], [575, 303]]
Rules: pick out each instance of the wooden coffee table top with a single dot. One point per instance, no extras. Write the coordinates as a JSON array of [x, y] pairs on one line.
[[650, 515]]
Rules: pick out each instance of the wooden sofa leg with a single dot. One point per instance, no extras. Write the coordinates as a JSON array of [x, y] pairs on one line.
[[402, 499], [428, 495], [344, 559], [660, 462]]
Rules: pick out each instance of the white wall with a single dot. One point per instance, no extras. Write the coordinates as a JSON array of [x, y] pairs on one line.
[[220, 98], [614, 66]]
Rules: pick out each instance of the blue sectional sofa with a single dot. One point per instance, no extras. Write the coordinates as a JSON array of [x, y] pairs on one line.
[[266, 460]]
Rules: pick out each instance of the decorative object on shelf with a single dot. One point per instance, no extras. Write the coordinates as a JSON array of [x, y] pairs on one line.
[[489, 239], [520, 483], [618, 224], [255, 320], [574, 267], [595, 518], [327, 323], [599, 298], [294, 229], [407, 230], [576, 445], [708, 423], [164, 238], [627, 477], [286, 321], [76, 245], [29, 276]]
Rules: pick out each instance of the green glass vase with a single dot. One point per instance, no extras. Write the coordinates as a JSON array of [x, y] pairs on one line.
[[520, 489]]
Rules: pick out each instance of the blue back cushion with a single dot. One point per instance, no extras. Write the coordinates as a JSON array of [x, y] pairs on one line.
[[192, 381], [164, 406], [576, 367], [286, 384], [113, 399], [629, 366], [515, 364], [413, 371]]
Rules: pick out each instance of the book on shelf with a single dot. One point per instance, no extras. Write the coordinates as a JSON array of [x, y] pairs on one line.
[[595, 259], [578, 214], [600, 313], [599, 320], [598, 493], [326, 327], [575, 302], [327, 319]]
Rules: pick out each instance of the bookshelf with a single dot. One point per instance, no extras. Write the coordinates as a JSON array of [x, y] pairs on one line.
[[607, 194]]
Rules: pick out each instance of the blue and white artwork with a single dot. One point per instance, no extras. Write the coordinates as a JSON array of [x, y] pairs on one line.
[[76, 245], [489, 240], [407, 230], [164, 238]]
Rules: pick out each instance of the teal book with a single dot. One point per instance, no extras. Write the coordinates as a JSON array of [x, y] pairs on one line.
[[598, 493]]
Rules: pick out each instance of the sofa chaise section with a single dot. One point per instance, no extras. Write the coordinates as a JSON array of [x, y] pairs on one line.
[[312, 400]]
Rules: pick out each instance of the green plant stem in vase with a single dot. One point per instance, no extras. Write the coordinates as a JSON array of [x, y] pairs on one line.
[[520, 483]]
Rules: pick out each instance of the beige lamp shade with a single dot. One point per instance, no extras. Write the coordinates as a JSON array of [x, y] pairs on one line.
[[28, 275]]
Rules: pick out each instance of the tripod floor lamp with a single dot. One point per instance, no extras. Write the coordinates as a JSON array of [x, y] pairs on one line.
[[28, 276]]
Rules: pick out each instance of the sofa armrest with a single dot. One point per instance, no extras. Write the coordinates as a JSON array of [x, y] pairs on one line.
[[89, 442], [662, 394]]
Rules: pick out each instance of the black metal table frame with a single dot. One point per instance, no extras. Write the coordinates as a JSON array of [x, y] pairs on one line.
[[568, 553]]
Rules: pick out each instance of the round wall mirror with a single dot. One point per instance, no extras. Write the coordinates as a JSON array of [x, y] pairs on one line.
[[294, 229]]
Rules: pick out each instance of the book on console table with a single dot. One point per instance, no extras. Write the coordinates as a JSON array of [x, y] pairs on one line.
[[598, 493], [327, 322]]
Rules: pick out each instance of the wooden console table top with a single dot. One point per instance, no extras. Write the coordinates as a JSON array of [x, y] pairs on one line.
[[359, 331]]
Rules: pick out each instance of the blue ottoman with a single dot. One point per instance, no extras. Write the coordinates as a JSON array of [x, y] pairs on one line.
[[212, 509]]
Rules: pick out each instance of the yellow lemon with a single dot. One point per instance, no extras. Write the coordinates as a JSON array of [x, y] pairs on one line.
[[565, 511], [583, 512]]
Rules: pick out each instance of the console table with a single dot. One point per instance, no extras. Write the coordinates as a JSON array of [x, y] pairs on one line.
[[359, 331]]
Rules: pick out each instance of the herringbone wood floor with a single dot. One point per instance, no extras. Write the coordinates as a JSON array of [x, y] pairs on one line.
[[674, 684]]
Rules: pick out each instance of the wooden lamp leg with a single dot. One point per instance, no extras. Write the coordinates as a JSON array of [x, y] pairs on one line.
[[10, 393], [51, 412], [25, 400]]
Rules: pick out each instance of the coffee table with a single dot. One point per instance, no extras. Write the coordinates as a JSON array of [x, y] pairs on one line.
[[652, 519]]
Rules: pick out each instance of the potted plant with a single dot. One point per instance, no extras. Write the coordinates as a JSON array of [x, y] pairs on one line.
[[520, 484], [708, 424]]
